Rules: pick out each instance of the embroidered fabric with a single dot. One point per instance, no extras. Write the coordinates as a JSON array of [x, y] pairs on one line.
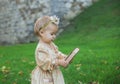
[[46, 71]]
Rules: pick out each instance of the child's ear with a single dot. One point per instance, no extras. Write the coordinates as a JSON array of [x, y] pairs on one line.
[[41, 32]]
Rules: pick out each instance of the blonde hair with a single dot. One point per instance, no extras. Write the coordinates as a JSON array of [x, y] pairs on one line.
[[41, 23]]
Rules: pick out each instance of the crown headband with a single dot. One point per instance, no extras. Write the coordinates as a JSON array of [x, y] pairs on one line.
[[53, 19]]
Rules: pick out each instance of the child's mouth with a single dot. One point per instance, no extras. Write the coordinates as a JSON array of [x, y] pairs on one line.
[[52, 40]]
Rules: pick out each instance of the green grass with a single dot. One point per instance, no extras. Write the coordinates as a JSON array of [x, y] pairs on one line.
[[19, 62], [96, 32]]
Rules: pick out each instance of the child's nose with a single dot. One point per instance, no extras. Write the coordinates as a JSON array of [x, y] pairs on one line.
[[54, 36]]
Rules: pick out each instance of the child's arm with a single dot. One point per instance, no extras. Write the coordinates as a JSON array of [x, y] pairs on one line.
[[61, 55], [61, 62], [45, 63]]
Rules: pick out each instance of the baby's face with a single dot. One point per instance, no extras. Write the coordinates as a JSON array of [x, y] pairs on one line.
[[49, 34]]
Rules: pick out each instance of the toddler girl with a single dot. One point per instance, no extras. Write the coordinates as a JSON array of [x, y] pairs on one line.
[[48, 57]]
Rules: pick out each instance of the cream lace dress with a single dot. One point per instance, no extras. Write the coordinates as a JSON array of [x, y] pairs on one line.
[[46, 71]]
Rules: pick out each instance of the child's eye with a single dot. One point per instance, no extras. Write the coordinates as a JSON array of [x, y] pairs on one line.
[[52, 34]]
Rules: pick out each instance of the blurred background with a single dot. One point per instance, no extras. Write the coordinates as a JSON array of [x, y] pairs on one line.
[[17, 17], [91, 25]]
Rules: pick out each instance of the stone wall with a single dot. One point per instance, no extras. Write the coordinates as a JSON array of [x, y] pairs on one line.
[[17, 17]]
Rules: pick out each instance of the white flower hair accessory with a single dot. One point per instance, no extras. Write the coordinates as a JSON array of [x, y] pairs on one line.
[[54, 19]]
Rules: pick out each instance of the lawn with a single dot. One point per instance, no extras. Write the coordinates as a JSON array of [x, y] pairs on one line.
[[96, 32]]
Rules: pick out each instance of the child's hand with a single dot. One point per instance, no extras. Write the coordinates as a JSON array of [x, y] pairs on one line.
[[62, 62]]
